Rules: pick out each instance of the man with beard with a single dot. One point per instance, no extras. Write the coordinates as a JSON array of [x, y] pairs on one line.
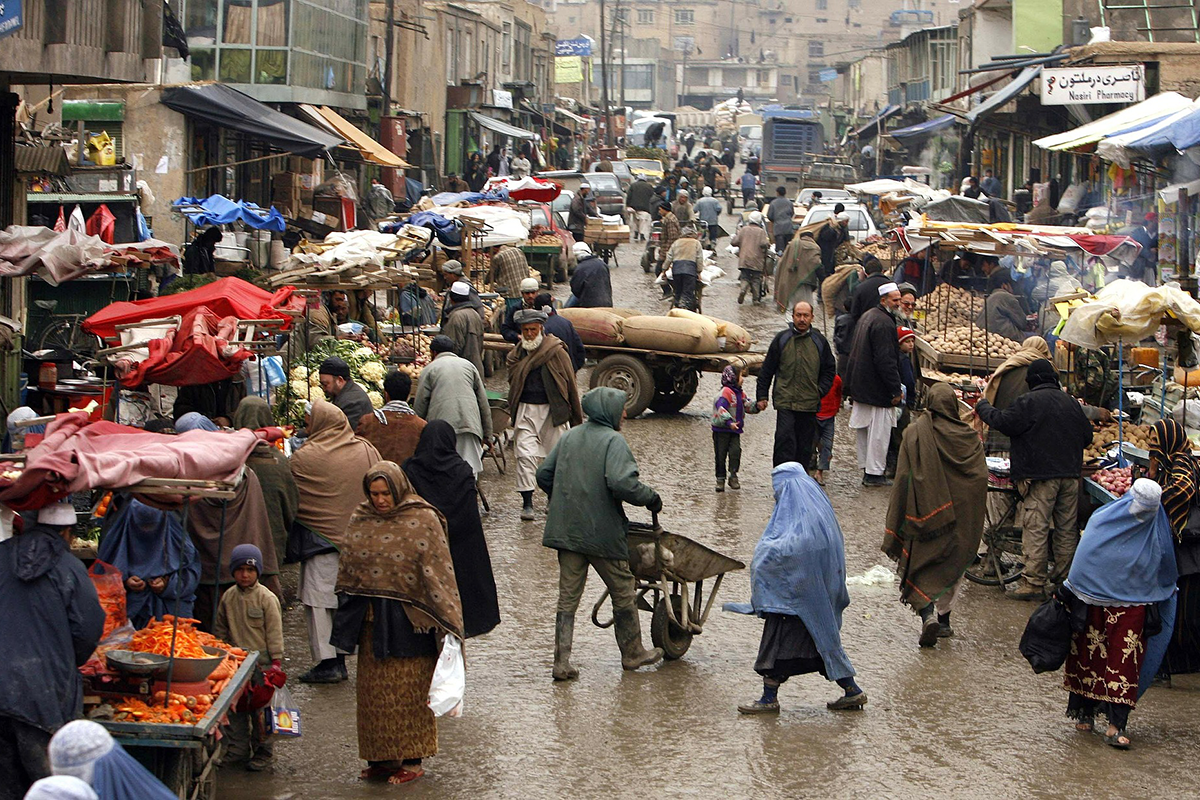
[[543, 392], [343, 392]]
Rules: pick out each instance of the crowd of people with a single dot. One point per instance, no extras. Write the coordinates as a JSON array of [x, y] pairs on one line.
[[380, 507]]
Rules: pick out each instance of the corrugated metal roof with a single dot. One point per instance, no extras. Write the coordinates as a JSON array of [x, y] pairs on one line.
[[50, 160]]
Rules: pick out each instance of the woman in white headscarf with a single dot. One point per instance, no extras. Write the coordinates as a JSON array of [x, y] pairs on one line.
[[85, 750]]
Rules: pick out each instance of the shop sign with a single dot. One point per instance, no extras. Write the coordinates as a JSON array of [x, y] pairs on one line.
[[1093, 85], [502, 98], [579, 46], [11, 17]]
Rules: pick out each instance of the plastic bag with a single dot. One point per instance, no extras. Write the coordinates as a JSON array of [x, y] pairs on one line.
[[110, 586], [449, 680], [877, 575], [285, 713]]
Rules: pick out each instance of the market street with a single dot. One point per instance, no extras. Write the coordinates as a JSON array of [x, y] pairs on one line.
[[966, 718]]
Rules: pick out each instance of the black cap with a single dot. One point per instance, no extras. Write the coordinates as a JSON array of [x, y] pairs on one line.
[[441, 344], [336, 367]]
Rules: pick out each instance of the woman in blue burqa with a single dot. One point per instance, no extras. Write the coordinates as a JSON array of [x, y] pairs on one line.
[[157, 560], [798, 580]]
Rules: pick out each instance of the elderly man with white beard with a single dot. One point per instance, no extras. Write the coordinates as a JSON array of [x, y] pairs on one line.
[[543, 392]]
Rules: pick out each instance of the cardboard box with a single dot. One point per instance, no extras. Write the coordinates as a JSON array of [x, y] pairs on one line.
[[320, 218]]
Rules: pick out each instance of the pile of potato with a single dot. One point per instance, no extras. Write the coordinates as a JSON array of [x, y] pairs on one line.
[[545, 239], [1136, 435], [963, 340], [956, 378], [947, 306]]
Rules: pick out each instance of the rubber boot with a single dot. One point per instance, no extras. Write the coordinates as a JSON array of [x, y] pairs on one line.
[[564, 634], [929, 627], [527, 512], [629, 639]]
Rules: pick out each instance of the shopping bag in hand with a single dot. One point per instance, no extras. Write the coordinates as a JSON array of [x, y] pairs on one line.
[[449, 680], [285, 713]]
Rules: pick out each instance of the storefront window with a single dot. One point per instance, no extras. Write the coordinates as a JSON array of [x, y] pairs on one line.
[[237, 19], [203, 64], [270, 66], [272, 23], [235, 65], [200, 22]]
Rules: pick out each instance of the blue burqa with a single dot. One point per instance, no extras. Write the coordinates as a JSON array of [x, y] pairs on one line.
[[799, 566], [148, 543], [1129, 559]]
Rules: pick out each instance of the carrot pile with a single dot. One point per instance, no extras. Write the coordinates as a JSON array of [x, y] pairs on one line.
[[226, 670], [156, 638], [177, 710]]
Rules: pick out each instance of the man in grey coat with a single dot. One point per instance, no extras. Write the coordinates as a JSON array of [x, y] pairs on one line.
[[352, 399], [464, 326], [451, 389]]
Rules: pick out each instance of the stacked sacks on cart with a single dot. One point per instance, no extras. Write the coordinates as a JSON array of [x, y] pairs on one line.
[[681, 331]]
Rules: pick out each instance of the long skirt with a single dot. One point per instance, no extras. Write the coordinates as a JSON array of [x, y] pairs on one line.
[[1106, 658], [786, 649], [395, 722], [1183, 653]]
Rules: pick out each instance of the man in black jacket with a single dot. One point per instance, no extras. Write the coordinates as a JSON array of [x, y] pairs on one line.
[[50, 622], [801, 364], [864, 297], [561, 327], [590, 284], [1049, 433], [638, 200], [873, 384]]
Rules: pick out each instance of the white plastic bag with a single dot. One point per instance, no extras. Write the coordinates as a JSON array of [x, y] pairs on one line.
[[877, 575], [449, 680]]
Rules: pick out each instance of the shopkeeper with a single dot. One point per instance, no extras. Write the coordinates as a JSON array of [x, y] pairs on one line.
[[1002, 313], [343, 392]]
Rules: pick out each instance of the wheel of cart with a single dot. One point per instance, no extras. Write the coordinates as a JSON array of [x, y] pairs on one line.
[[500, 420], [606, 250], [1001, 559], [670, 571]]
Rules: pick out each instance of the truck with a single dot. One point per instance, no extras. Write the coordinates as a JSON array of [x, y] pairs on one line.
[[791, 140]]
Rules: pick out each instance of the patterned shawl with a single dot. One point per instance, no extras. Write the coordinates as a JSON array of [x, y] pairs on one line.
[[1176, 473], [403, 555]]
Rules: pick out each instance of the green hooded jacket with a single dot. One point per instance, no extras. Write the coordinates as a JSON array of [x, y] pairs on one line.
[[588, 475]]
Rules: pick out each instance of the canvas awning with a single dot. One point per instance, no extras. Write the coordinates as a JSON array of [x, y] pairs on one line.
[[1005, 94], [371, 150], [229, 108], [872, 127], [1177, 131], [502, 128], [584, 121], [923, 128], [1151, 108]]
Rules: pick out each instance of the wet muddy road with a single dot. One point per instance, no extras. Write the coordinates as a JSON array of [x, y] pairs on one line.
[[968, 718]]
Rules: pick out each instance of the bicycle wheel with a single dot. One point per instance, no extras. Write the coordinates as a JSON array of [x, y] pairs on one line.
[[1002, 560], [69, 335]]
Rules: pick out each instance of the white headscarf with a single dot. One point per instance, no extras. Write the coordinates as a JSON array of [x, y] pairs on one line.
[[61, 787]]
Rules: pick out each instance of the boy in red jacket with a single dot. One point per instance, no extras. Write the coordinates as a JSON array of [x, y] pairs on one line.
[[826, 414]]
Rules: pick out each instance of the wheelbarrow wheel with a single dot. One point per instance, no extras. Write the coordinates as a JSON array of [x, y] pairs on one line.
[[673, 640]]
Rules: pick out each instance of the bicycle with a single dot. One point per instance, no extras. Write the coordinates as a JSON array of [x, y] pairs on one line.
[[1003, 559], [65, 331]]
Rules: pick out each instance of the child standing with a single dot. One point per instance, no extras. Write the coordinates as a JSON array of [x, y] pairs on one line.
[[826, 413], [249, 617], [728, 422]]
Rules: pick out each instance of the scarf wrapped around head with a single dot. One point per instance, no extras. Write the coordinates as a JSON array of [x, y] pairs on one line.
[[253, 413], [1031, 350], [326, 470], [1171, 452], [402, 555]]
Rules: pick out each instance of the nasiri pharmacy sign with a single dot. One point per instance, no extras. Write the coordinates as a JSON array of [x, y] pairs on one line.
[[1093, 85]]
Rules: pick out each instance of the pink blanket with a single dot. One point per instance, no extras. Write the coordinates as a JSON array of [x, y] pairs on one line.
[[76, 455]]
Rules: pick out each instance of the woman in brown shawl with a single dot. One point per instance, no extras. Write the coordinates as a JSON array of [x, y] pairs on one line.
[[326, 469], [935, 517], [1173, 467], [398, 598], [271, 466]]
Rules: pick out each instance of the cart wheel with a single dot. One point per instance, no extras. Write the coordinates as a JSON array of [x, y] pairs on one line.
[[558, 270], [672, 394], [673, 640], [1003, 562], [628, 374], [729, 206]]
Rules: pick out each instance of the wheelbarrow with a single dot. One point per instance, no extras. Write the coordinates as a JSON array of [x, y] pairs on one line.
[[667, 568]]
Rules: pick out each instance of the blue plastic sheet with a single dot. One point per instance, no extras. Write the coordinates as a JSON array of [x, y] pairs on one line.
[[450, 198], [220, 210], [444, 229]]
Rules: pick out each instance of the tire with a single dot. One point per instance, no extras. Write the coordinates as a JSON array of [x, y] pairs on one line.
[[671, 395], [558, 270], [673, 640], [628, 374], [69, 336], [1003, 562]]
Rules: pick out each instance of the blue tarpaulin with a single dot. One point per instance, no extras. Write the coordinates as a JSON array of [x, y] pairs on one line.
[[1182, 133], [876, 123], [444, 229], [1006, 93], [472, 198], [220, 210], [923, 128]]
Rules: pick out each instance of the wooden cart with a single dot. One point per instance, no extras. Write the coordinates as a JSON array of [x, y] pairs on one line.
[[545, 258], [184, 757]]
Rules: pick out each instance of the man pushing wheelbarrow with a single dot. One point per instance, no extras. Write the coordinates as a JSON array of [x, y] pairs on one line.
[[588, 475]]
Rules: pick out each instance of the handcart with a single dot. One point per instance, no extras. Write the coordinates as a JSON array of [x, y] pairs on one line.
[[670, 567]]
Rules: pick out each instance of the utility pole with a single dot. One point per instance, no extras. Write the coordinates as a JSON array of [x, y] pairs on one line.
[[389, 48], [683, 81], [608, 137], [624, 25]]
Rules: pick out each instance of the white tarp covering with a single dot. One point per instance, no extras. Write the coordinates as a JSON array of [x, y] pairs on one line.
[[1151, 108], [504, 225], [1128, 311]]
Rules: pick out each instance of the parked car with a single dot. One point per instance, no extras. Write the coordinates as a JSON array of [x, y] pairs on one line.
[[622, 170], [610, 198], [862, 226], [651, 168]]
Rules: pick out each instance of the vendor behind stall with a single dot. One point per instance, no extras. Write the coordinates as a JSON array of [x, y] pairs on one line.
[[217, 400], [199, 257], [1002, 312]]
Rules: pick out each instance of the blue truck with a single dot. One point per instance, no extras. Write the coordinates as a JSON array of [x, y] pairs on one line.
[[791, 140]]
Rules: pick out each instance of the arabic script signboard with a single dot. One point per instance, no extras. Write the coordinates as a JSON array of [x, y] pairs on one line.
[[12, 17], [1093, 85]]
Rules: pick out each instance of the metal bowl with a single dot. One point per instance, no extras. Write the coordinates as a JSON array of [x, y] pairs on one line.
[[191, 670], [134, 663]]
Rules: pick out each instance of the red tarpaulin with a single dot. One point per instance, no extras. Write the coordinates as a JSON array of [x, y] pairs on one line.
[[1101, 245], [227, 297], [530, 188], [77, 455], [198, 353]]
